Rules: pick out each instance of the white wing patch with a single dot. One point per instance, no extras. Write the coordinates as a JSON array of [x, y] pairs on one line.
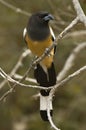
[[24, 32], [52, 33]]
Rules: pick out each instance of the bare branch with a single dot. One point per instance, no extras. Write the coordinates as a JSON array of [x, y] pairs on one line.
[[80, 17], [4, 75], [61, 83], [49, 116], [6, 94], [76, 34], [79, 11], [17, 66], [17, 76], [70, 61], [8, 78], [68, 28], [17, 10]]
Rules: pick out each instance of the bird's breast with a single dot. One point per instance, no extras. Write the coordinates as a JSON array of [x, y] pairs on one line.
[[38, 48]]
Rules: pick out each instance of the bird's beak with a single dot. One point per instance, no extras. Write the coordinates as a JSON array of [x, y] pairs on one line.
[[48, 17]]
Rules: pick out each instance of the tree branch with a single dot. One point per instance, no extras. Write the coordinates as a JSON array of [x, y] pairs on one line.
[[70, 61], [51, 121], [17, 10], [17, 76], [76, 34], [4, 75], [17, 66], [49, 116], [80, 13], [8, 78], [67, 29], [61, 83]]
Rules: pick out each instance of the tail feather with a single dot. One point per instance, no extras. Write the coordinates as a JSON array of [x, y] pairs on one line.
[[41, 76], [45, 79], [45, 102], [52, 75]]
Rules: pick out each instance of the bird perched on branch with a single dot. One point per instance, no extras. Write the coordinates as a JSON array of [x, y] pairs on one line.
[[39, 36]]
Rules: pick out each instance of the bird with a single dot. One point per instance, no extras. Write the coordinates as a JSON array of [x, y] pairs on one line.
[[39, 36]]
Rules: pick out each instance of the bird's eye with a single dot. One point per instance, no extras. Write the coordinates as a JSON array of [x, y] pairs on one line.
[[40, 16]]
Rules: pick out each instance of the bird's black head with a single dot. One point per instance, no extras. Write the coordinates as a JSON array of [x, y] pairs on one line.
[[37, 27], [41, 17]]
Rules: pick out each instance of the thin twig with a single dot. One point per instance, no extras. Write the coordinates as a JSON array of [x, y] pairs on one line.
[[71, 76], [4, 75], [76, 34], [17, 76], [19, 63], [15, 82], [6, 94], [50, 118], [67, 29], [17, 66], [70, 61], [80, 13], [16, 9]]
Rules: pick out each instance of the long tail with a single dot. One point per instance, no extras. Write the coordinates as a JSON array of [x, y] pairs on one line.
[[45, 79]]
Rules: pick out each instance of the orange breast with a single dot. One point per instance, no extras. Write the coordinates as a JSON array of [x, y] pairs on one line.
[[38, 48]]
